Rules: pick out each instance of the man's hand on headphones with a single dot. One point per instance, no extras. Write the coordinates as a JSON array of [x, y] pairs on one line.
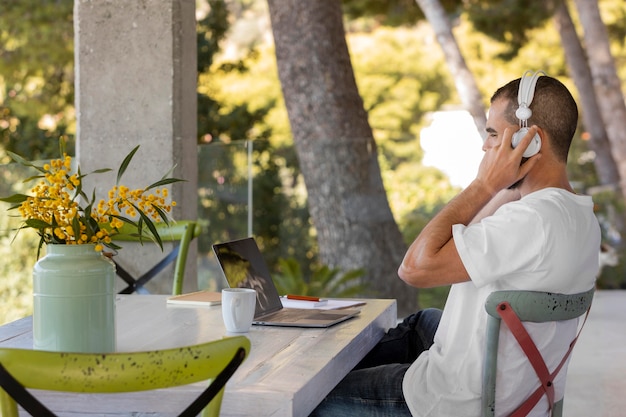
[[502, 166]]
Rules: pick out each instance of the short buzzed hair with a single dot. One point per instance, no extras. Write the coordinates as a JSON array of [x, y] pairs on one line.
[[553, 107]]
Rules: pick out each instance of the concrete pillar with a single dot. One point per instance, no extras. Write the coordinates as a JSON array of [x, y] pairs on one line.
[[136, 78]]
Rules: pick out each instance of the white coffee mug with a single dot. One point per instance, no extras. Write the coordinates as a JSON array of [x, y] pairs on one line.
[[238, 309]]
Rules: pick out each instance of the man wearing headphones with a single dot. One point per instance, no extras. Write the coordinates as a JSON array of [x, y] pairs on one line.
[[518, 226]]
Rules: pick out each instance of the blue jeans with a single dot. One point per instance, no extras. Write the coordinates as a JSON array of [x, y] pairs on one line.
[[374, 387]]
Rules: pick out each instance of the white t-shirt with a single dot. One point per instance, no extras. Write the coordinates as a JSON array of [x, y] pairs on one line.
[[547, 241]]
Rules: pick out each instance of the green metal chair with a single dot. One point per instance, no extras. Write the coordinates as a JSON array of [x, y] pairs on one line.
[[515, 307], [183, 232], [119, 372]]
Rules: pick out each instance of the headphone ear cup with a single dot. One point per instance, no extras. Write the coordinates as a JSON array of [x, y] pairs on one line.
[[534, 146]]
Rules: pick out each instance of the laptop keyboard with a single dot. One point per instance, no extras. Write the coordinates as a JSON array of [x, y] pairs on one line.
[[296, 314]]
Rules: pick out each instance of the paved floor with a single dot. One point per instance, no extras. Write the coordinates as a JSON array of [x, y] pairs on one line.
[[596, 380]]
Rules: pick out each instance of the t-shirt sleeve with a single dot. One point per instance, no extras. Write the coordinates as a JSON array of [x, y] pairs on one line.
[[506, 245]]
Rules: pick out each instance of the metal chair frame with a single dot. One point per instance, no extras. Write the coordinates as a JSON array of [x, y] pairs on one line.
[[214, 361], [182, 232], [530, 306]]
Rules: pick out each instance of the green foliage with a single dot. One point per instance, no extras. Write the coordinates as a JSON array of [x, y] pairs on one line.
[[17, 251], [387, 12], [390, 12], [18, 254], [219, 120], [211, 30], [324, 282], [235, 101], [433, 297], [22, 135], [580, 165], [36, 81], [615, 20], [612, 277], [402, 78], [509, 21], [227, 125]]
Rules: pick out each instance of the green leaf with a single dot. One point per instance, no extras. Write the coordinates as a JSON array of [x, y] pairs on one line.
[[92, 224], [168, 173], [125, 164], [34, 177], [113, 246], [76, 227], [15, 198], [37, 224], [126, 220], [162, 213], [23, 161], [152, 228], [163, 182], [62, 148], [98, 171], [39, 246], [79, 189]]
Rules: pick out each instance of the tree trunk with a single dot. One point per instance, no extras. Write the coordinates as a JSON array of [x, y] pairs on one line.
[[463, 77], [592, 119], [335, 146], [606, 82]]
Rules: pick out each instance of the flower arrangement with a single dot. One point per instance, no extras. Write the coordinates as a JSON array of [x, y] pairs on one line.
[[62, 213]]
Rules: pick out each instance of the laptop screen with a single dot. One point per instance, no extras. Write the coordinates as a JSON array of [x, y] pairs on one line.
[[243, 266]]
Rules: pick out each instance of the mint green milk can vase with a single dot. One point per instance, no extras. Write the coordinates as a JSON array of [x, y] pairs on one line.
[[74, 300]]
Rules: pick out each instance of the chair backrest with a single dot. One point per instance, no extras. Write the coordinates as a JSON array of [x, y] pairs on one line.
[[530, 306], [182, 232], [119, 372]]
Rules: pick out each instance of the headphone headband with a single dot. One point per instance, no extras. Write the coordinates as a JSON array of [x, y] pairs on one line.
[[525, 96]]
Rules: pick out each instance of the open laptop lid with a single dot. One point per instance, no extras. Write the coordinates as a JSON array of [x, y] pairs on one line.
[[244, 267]]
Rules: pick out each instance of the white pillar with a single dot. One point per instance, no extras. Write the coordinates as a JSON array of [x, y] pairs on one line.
[[136, 76]]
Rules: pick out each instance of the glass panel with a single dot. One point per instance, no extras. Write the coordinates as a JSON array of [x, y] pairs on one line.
[[224, 203]]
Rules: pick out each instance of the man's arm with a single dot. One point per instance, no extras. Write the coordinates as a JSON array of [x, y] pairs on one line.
[[432, 259]]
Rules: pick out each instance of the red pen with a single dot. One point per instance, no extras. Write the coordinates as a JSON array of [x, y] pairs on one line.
[[302, 297]]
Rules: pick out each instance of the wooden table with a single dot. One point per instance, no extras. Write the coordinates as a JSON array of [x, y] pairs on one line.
[[289, 370]]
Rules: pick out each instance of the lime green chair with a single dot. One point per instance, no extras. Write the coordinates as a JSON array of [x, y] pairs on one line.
[[515, 307], [119, 372], [181, 231]]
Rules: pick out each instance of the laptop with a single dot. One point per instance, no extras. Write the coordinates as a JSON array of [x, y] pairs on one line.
[[243, 266]]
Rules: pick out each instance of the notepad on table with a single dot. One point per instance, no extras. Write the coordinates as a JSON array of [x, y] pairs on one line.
[[198, 298]]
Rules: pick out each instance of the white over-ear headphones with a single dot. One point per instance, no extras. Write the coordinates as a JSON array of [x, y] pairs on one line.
[[525, 96]]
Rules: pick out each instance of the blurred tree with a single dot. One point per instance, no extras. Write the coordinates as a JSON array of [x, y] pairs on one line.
[[463, 77], [402, 78], [578, 65], [336, 148], [439, 14], [606, 82]]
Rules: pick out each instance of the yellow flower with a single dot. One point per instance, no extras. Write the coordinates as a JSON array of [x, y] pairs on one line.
[[54, 207]]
